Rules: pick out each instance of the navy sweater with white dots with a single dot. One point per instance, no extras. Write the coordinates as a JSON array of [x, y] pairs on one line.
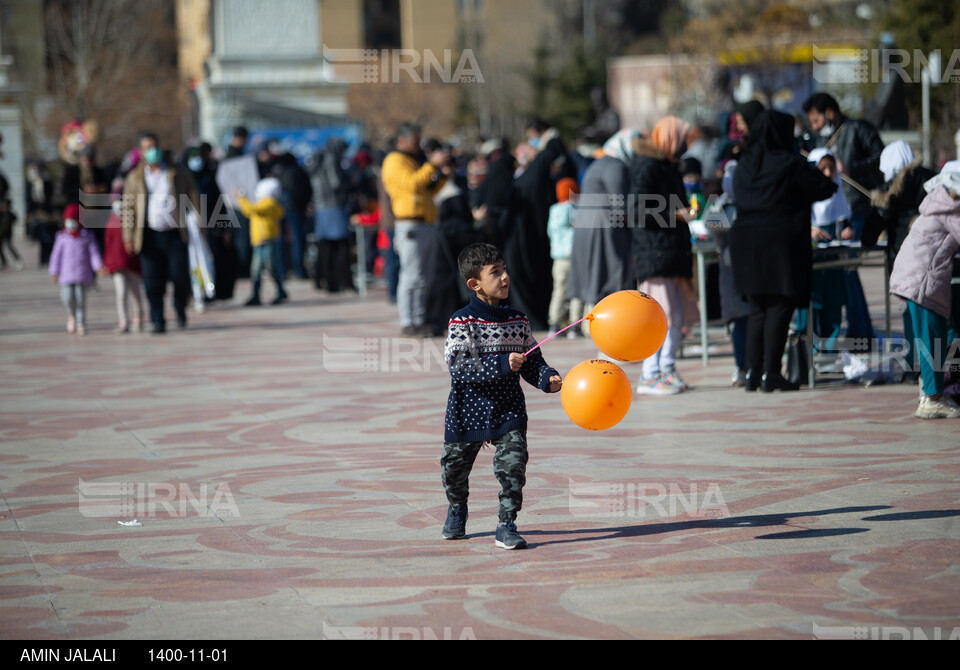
[[486, 400]]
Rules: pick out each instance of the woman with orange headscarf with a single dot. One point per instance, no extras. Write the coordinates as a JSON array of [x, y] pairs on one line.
[[662, 253]]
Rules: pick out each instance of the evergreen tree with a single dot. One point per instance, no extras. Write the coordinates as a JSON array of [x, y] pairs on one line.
[[927, 25]]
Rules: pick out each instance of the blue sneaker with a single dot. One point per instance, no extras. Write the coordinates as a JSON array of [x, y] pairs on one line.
[[508, 537], [456, 524]]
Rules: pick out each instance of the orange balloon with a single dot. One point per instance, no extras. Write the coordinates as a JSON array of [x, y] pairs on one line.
[[596, 394], [628, 326]]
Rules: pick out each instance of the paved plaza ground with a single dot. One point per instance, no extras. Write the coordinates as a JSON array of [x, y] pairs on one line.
[[283, 465]]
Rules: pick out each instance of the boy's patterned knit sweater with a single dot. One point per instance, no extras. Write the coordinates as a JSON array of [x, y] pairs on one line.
[[486, 400]]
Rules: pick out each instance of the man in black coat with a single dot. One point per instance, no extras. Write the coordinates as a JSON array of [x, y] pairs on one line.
[[220, 222], [297, 193], [492, 196], [857, 145]]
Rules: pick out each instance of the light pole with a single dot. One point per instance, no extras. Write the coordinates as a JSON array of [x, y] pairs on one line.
[[589, 23], [929, 76]]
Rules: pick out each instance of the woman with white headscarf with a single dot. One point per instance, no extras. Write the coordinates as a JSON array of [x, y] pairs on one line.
[[830, 217], [896, 204], [600, 259], [898, 201], [830, 220]]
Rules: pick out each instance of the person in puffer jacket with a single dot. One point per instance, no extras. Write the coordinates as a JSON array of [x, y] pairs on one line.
[[265, 214], [921, 275]]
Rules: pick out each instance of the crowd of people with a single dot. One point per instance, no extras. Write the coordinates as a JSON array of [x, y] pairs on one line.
[[777, 185]]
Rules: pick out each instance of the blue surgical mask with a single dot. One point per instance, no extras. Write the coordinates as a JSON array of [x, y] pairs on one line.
[[153, 156], [195, 163], [534, 142]]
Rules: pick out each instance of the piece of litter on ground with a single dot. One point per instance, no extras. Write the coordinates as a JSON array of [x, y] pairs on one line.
[[130, 523]]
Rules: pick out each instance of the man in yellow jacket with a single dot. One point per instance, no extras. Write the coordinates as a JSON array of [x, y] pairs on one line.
[[265, 214], [411, 185]]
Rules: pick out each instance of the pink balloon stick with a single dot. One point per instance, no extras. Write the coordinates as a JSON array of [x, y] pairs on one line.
[[555, 334]]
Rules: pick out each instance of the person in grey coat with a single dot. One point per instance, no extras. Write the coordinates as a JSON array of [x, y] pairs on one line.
[[600, 260], [331, 218], [922, 276]]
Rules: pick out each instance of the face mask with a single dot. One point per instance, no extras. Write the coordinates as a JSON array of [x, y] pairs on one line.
[[828, 130], [534, 142], [691, 186], [153, 156], [72, 226], [195, 163]]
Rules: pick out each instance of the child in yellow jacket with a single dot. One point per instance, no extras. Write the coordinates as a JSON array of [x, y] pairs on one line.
[[265, 214]]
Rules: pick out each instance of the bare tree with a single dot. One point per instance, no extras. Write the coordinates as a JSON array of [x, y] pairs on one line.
[[383, 106], [114, 62]]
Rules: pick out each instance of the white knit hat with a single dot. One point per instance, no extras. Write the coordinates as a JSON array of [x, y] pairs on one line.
[[268, 188]]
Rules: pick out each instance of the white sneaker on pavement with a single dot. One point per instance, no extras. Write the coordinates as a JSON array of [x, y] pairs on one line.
[[657, 386], [942, 408]]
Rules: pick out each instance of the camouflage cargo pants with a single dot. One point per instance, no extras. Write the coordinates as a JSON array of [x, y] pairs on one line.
[[509, 467]]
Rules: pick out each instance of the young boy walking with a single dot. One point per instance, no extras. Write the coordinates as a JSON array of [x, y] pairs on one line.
[[265, 214], [485, 349]]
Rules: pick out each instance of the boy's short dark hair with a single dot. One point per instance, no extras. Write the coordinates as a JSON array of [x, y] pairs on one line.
[[691, 166], [430, 145], [821, 102], [475, 257], [537, 125]]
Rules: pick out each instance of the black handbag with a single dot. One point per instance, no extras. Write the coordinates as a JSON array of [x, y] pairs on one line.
[[797, 364]]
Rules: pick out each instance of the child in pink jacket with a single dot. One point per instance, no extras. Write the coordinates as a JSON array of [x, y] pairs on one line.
[[74, 262], [921, 275]]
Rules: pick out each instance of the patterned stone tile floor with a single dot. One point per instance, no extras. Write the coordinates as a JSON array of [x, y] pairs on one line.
[[283, 463]]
